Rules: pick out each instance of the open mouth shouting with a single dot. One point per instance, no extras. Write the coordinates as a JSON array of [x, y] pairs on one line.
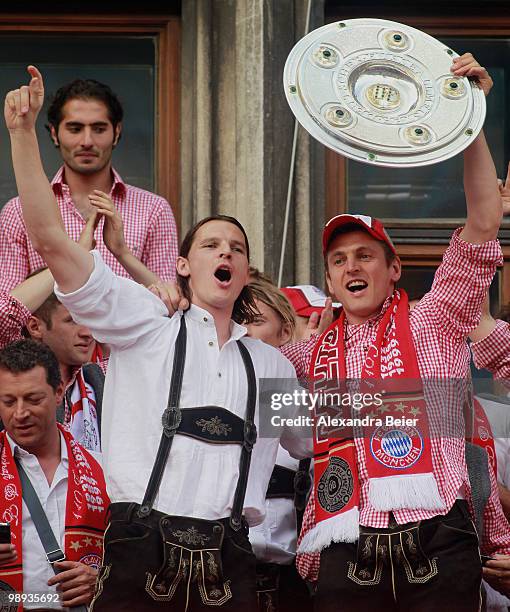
[[356, 285], [223, 275]]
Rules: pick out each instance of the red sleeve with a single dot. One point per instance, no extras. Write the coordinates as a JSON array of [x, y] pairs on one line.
[[162, 243], [493, 352], [460, 285], [300, 354], [13, 317], [13, 246]]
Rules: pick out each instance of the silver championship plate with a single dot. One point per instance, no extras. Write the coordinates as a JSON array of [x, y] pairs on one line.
[[382, 92]]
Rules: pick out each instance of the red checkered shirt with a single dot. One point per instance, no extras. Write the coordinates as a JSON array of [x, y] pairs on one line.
[[439, 323], [493, 352], [149, 228], [13, 318]]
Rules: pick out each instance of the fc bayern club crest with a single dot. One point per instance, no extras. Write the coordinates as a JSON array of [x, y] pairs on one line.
[[91, 560], [5, 604], [335, 485], [398, 449], [483, 434]]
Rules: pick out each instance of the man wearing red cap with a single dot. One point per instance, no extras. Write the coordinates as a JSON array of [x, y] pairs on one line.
[[391, 509]]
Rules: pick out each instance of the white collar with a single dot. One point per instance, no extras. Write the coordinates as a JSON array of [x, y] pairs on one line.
[[18, 451], [205, 318]]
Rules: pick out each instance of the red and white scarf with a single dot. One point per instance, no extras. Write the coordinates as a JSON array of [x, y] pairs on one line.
[[86, 507], [398, 459], [83, 423], [481, 434]]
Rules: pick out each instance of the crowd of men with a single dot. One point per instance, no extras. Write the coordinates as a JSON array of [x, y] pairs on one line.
[[133, 469]]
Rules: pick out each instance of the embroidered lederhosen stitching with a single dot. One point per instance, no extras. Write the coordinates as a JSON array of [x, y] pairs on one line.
[[194, 564], [219, 597], [215, 426], [425, 568], [364, 577], [190, 536], [213, 590], [156, 591], [102, 576]]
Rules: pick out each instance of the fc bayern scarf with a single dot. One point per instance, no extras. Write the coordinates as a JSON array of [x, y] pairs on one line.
[[83, 421], [397, 456], [86, 506], [481, 434]]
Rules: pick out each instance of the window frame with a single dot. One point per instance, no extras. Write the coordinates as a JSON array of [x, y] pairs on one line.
[[167, 32]]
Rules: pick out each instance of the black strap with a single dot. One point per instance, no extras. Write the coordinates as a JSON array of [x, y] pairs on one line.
[[171, 419], [281, 483], [250, 437], [302, 484], [302, 487], [477, 462], [48, 540]]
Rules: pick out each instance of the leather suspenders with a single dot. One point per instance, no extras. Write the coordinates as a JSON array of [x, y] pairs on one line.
[[171, 421], [250, 437]]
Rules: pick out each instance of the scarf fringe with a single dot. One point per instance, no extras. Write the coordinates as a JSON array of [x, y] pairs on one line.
[[340, 528], [416, 491]]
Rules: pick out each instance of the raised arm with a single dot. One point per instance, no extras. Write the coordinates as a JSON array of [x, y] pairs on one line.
[[33, 291], [483, 200], [69, 262]]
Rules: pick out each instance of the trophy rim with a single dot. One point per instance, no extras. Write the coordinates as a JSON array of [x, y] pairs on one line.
[[374, 153]]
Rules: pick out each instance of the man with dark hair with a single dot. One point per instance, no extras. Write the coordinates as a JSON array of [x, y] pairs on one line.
[[84, 89], [179, 516], [66, 478], [24, 355], [85, 123]]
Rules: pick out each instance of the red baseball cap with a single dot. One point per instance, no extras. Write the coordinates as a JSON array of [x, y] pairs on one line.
[[306, 299], [372, 225]]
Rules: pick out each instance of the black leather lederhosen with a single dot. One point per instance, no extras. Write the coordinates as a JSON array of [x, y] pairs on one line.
[[279, 587], [154, 561]]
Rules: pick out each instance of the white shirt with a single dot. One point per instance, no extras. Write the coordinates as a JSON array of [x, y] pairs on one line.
[[36, 569], [200, 478], [274, 540]]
